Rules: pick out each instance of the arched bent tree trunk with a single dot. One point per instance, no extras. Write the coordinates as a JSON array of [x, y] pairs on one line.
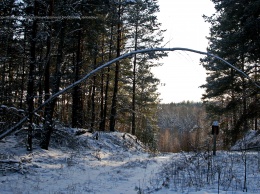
[[127, 55]]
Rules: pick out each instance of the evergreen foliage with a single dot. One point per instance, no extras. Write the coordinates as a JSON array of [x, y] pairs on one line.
[[235, 37], [47, 45]]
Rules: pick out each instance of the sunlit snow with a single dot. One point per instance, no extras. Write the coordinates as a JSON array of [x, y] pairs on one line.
[[119, 163]]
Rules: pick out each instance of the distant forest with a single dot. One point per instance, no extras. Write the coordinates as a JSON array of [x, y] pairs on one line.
[[183, 127]]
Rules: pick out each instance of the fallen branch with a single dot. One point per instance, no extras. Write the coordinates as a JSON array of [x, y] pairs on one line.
[[10, 161]]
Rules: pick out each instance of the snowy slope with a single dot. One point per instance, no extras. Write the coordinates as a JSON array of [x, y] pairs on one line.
[[118, 163], [251, 140]]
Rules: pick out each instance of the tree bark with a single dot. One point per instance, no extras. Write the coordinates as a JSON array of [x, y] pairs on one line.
[[103, 120], [49, 109], [113, 114], [93, 116], [30, 86], [77, 106], [102, 90], [134, 84]]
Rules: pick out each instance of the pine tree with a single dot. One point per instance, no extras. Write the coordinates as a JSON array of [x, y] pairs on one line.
[[10, 58], [53, 44], [232, 38], [145, 32]]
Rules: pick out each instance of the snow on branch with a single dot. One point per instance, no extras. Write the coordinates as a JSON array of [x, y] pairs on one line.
[[130, 1], [127, 55]]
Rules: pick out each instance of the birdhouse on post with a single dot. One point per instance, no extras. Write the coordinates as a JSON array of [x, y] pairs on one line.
[[215, 128]]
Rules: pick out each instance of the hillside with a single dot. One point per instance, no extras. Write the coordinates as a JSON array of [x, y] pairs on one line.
[[118, 163]]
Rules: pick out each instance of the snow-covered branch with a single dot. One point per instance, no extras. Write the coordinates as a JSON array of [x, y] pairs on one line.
[[127, 55]]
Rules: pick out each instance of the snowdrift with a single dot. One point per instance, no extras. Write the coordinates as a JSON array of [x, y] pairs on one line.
[[251, 141], [109, 163]]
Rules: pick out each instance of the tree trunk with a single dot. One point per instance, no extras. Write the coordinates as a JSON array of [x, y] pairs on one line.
[[77, 106], [134, 84], [102, 90], [245, 122], [256, 100], [93, 116], [30, 86], [113, 113], [49, 109], [103, 119]]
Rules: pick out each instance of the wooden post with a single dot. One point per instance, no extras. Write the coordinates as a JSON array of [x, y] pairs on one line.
[[215, 131], [214, 144]]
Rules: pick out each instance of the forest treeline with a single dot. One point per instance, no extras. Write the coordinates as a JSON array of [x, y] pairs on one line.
[[235, 36], [47, 45], [183, 127]]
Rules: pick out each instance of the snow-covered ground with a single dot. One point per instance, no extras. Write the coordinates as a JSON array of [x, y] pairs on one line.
[[116, 163]]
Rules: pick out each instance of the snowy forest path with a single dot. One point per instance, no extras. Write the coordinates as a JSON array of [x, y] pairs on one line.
[[85, 170]]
